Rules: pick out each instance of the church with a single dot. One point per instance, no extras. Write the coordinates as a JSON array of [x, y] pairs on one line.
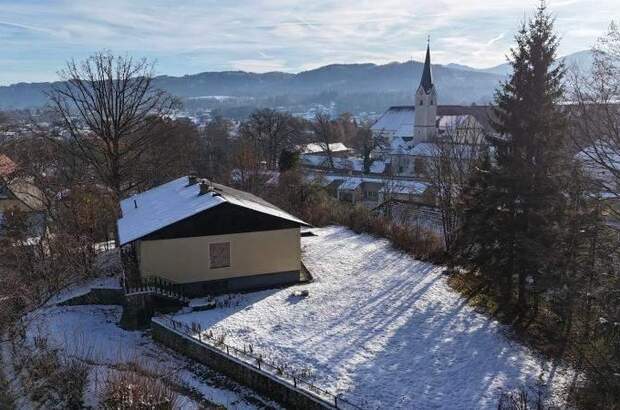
[[406, 135]]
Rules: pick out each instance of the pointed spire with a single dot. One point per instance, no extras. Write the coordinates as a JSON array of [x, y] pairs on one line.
[[427, 77]]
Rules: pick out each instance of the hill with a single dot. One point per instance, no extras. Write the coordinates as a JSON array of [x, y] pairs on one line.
[[351, 87]]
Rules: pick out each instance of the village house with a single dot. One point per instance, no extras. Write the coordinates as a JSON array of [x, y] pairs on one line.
[[207, 238]]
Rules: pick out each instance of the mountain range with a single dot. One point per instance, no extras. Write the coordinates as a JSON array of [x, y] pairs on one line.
[[351, 87]]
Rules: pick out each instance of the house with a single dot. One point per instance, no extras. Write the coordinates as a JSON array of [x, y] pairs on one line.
[[207, 238], [372, 191]]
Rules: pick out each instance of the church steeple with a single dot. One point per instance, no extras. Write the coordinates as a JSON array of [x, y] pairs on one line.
[[427, 76], [426, 102]]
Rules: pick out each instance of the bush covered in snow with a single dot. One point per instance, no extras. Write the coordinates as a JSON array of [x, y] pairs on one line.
[[134, 389]]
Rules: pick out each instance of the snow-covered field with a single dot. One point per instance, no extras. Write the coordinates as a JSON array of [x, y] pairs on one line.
[[382, 328], [91, 333]]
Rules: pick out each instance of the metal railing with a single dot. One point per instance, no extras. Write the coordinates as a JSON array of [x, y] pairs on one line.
[[155, 285], [249, 357]]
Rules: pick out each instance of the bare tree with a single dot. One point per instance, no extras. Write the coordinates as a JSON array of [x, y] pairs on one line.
[[269, 132], [368, 143], [105, 104], [596, 112], [448, 167], [326, 134]]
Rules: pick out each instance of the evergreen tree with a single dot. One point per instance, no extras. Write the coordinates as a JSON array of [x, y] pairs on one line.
[[511, 230], [288, 160]]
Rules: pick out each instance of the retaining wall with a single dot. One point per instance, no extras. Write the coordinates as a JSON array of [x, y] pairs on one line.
[[242, 372], [98, 296]]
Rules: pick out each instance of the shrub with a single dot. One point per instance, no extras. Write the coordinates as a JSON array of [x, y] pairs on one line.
[[524, 398], [53, 378], [125, 390]]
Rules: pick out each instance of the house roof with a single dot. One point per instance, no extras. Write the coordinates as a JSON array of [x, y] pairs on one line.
[[7, 166], [350, 184], [174, 201], [398, 120], [395, 186], [351, 163], [316, 148]]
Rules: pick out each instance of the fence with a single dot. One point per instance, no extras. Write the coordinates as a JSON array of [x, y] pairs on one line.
[[250, 358], [155, 285]]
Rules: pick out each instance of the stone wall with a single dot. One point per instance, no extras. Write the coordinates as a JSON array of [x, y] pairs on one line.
[[98, 296], [261, 382]]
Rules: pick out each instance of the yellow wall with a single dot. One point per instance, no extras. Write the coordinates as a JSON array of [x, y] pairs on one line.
[[186, 260]]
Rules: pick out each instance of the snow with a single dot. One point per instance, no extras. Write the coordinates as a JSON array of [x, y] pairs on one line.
[[350, 184], [447, 122], [399, 186], [91, 333], [382, 328], [161, 206], [398, 121], [82, 288], [350, 163], [316, 148], [176, 200]]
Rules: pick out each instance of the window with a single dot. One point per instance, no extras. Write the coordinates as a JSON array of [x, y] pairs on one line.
[[371, 195], [421, 102], [420, 166], [431, 102], [219, 255]]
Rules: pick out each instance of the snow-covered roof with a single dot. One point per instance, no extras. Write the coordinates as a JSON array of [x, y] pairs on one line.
[[177, 200], [350, 184], [424, 149], [351, 163], [398, 121], [317, 148], [453, 121], [405, 187], [401, 186]]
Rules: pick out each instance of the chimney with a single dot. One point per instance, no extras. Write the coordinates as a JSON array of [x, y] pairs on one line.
[[205, 186], [192, 179]]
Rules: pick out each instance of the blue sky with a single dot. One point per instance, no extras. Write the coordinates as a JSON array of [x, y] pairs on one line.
[[185, 36]]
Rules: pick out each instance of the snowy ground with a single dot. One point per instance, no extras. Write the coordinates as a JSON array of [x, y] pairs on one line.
[[382, 328], [91, 332]]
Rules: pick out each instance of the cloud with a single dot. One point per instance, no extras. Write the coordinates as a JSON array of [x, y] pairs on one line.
[[496, 39], [192, 35], [258, 66]]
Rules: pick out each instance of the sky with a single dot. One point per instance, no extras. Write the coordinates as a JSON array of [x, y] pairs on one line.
[[37, 37]]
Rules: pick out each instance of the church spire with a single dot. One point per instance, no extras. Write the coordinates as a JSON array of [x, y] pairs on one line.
[[427, 76]]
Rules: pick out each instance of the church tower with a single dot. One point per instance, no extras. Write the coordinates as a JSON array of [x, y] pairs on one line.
[[426, 103]]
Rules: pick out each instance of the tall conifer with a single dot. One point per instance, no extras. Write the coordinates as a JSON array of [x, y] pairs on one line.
[[525, 182]]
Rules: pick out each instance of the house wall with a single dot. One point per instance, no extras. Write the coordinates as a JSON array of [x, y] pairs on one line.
[[186, 260]]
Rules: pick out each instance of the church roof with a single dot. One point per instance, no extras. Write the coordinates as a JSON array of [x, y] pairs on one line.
[[427, 76], [398, 121]]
